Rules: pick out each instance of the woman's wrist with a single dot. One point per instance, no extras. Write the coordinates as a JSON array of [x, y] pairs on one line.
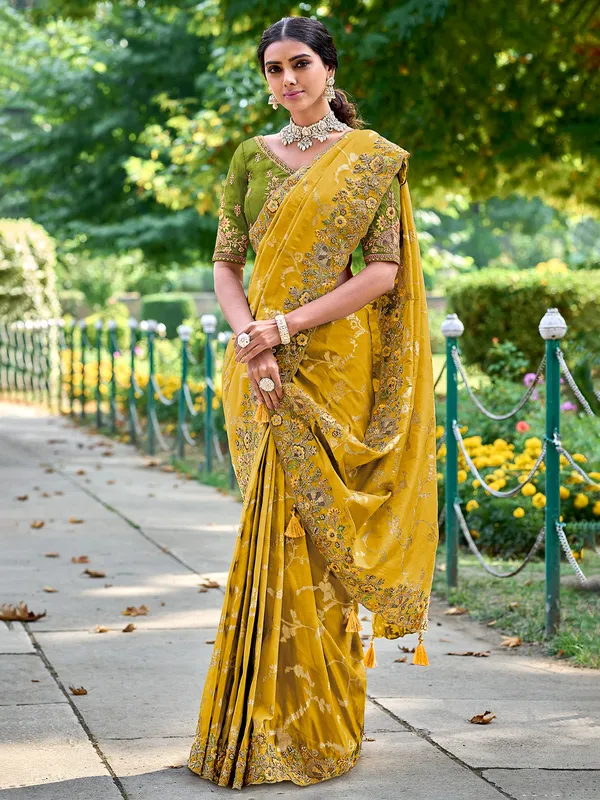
[[293, 323]]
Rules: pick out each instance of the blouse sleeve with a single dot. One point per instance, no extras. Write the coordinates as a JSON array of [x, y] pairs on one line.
[[232, 233], [382, 240]]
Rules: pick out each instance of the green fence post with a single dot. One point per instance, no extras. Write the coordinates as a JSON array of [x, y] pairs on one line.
[[151, 333], [59, 324], [451, 328], [133, 326], [185, 333], [209, 326], [552, 328], [112, 349], [46, 337], [20, 358], [71, 344], [99, 326], [82, 343], [224, 337]]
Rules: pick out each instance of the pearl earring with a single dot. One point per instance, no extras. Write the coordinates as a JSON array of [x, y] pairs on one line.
[[329, 93], [273, 102]]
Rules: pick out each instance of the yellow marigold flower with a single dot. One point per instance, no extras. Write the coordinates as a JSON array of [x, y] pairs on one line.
[[464, 429], [576, 478], [519, 512], [539, 500], [596, 508], [473, 441], [581, 501], [442, 451], [579, 457], [499, 473], [532, 443], [462, 475], [500, 444], [564, 493], [528, 490], [439, 431], [563, 461], [476, 484], [496, 460], [472, 505], [475, 534], [440, 476]]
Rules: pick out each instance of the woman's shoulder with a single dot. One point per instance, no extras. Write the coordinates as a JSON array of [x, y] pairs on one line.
[[383, 145], [246, 148]]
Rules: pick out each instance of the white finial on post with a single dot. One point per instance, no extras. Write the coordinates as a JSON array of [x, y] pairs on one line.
[[452, 327], [552, 325]]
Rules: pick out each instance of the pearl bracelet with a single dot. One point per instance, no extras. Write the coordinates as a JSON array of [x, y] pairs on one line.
[[283, 328]]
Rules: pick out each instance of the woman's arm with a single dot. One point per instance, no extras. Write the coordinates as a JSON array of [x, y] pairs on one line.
[[229, 288], [375, 279]]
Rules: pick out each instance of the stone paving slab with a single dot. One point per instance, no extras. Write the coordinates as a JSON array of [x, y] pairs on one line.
[[553, 784]]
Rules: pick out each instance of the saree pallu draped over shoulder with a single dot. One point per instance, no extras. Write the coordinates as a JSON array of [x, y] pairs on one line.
[[345, 466]]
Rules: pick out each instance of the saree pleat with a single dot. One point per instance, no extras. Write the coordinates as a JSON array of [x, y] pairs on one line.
[[351, 452]]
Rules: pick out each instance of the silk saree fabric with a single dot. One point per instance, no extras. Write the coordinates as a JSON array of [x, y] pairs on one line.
[[349, 457]]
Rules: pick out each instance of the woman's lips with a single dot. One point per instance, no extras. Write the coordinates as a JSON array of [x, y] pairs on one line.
[[294, 94]]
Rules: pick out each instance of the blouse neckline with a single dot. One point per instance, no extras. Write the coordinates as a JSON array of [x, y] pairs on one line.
[[286, 167]]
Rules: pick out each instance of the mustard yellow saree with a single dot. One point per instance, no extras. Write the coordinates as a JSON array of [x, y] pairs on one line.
[[339, 484]]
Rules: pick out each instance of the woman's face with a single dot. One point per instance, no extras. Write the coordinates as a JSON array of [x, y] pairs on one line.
[[296, 74]]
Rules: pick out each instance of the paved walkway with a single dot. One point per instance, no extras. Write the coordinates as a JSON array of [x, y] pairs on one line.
[[156, 538]]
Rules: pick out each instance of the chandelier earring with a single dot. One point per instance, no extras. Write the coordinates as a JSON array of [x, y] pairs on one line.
[[273, 102], [329, 93]]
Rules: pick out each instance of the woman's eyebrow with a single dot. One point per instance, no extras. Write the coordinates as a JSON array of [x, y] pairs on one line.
[[289, 59]]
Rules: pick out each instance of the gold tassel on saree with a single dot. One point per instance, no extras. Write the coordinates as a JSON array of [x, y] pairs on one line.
[[420, 657], [353, 625], [294, 529], [370, 659]]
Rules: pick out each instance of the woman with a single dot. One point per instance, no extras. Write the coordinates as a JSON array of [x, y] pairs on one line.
[[328, 397]]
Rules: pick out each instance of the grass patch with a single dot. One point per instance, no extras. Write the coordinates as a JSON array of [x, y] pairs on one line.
[[488, 598]]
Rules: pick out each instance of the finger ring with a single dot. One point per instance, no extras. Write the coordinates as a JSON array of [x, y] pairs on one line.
[[243, 339], [266, 384]]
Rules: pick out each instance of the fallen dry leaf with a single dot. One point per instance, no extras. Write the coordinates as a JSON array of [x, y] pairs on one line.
[[21, 613], [132, 611], [80, 472], [52, 555], [111, 482], [369, 739], [202, 589], [49, 469], [94, 573], [442, 639], [35, 680], [400, 660], [80, 560], [455, 611], [163, 603], [209, 641], [75, 520], [81, 690], [101, 629], [480, 654], [176, 766], [364, 618], [406, 649], [209, 584], [107, 453], [511, 641], [57, 441], [45, 494], [49, 589], [514, 604], [38, 523], [129, 628], [152, 462], [483, 719], [167, 468], [492, 622], [59, 493], [23, 497], [151, 494]]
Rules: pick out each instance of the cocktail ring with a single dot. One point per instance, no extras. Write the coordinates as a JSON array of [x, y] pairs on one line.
[[243, 339], [266, 384]]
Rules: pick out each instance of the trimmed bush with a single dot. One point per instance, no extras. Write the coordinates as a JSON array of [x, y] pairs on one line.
[[27, 277], [507, 305], [72, 301], [170, 308]]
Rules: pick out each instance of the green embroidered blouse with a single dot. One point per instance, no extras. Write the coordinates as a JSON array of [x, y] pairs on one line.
[[255, 170]]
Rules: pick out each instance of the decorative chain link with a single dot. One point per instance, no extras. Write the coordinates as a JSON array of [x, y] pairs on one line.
[[442, 442], [475, 471], [557, 443], [473, 548], [482, 408], [191, 358], [188, 400], [157, 432], [159, 394], [136, 420], [571, 381], [439, 377], [187, 436], [569, 553]]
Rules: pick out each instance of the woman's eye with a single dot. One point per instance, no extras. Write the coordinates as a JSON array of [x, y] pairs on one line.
[[272, 70]]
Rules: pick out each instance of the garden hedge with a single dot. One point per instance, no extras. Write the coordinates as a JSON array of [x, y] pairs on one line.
[[170, 308], [27, 277], [508, 305]]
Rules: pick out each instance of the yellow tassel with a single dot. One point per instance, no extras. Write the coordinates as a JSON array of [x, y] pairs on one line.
[[294, 529], [353, 625], [261, 414], [420, 658], [369, 659]]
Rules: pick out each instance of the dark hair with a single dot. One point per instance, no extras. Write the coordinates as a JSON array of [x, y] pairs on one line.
[[317, 37]]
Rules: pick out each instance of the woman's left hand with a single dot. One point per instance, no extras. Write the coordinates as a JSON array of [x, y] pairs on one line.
[[264, 335]]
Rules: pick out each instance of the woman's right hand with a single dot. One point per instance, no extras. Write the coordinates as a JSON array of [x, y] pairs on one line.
[[261, 366]]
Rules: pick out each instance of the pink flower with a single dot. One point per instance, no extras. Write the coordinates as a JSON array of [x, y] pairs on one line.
[[522, 426], [495, 340], [568, 406], [529, 379], [137, 350], [116, 354]]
